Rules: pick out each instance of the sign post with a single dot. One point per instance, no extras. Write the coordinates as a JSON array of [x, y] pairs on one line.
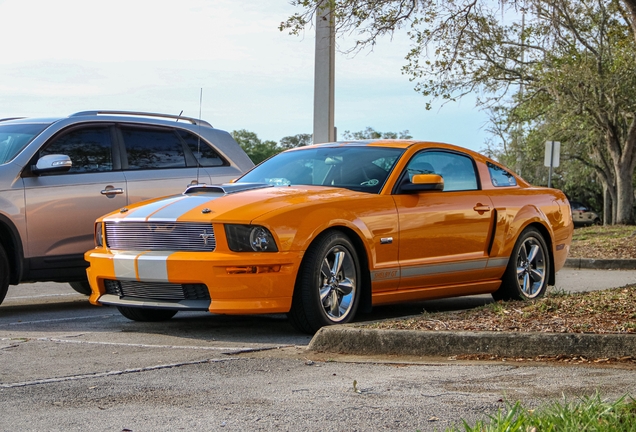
[[552, 155]]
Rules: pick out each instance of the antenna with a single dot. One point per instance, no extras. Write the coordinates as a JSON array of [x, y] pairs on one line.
[[199, 136]]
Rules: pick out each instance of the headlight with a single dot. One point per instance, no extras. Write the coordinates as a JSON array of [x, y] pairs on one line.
[[99, 237], [250, 238]]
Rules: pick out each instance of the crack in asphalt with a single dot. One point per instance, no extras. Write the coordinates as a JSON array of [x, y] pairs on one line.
[[112, 373]]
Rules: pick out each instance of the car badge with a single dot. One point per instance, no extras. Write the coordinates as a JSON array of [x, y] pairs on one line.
[[123, 210], [205, 236]]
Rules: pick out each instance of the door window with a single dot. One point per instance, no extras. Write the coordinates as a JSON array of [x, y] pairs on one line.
[[204, 153], [153, 149], [457, 170], [90, 150]]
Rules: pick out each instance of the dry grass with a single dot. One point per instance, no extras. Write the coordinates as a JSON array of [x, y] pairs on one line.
[[608, 311], [604, 242]]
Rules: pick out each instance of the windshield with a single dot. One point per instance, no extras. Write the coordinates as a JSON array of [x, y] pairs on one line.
[[15, 137], [360, 168]]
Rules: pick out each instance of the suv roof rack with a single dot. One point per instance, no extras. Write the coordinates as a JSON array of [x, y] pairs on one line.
[[194, 121]]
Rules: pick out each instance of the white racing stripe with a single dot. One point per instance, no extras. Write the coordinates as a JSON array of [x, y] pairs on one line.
[[153, 267]]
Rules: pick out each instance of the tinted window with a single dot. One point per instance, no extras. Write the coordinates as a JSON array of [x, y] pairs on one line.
[[458, 171], [500, 177], [15, 137], [147, 148], [204, 153], [89, 149]]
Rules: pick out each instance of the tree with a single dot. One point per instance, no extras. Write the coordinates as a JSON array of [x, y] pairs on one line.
[[256, 149], [573, 58], [298, 140], [370, 133]]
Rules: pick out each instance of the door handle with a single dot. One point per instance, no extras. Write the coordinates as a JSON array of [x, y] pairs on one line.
[[480, 208], [112, 191]]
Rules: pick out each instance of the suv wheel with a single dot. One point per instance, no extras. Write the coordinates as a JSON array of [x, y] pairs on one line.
[[4, 273]]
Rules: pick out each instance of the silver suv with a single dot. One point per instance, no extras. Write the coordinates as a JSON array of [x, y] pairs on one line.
[[58, 175]]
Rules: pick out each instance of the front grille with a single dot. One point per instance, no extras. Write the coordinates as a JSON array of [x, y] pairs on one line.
[[157, 290], [160, 236]]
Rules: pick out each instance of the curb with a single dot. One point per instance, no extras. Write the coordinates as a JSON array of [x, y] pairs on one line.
[[606, 264], [344, 339]]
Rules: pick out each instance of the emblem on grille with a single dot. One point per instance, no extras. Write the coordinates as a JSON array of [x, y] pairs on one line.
[[205, 236]]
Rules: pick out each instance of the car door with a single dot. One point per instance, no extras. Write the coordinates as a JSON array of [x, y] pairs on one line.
[[61, 207], [443, 234], [157, 162]]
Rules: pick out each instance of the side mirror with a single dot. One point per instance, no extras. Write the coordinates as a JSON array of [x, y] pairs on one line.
[[52, 163], [424, 182]]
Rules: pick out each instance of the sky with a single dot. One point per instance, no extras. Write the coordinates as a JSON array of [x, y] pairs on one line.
[[64, 56]]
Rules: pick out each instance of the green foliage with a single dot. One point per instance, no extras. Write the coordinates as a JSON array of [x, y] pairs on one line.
[[370, 133], [256, 149], [298, 140], [590, 413]]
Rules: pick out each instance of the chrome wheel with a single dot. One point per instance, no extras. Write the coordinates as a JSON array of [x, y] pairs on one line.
[[528, 271], [531, 267], [328, 286], [337, 283]]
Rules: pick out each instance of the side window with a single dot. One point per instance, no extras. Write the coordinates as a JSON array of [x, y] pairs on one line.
[[457, 170], [151, 148], [204, 153], [90, 150], [500, 177]]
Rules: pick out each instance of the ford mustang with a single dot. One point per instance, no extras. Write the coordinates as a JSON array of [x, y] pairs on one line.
[[325, 231]]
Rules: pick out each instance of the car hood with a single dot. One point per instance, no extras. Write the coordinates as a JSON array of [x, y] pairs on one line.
[[232, 203]]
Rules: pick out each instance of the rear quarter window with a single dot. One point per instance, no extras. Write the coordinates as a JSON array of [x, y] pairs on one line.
[[500, 177]]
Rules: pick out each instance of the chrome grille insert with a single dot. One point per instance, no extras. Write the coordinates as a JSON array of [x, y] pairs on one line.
[[157, 290], [160, 236]]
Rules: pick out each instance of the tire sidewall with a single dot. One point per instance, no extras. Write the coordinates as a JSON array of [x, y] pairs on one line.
[[512, 265], [310, 279], [4, 273]]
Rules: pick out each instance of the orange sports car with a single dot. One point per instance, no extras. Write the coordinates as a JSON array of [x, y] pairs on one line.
[[324, 231]]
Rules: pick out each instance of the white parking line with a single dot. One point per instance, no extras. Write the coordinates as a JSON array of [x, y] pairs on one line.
[[43, 295], [191, 347], [56, 320]]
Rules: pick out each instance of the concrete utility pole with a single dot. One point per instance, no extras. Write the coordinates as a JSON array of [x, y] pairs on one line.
[[324, 77]]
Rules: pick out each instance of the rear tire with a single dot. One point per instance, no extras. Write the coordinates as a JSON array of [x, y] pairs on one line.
[[327, 287], [526, 276], [4, 274], [146, 315], [82, 287]]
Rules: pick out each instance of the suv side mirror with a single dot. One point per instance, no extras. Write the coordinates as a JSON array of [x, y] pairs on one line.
[[52, 163], [424, 182]]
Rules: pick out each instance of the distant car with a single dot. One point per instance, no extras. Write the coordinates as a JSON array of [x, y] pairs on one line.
[[58, 175], [324, 231], [582, 215]]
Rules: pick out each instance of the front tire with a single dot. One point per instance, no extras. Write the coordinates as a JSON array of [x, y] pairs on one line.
[[4, 274], [146, 315], [327, 287], [526, 276]]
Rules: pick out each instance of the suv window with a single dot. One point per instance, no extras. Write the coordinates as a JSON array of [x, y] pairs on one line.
[[458, 171], [206, 155], [152, 149], [90, 150], [13, 138]]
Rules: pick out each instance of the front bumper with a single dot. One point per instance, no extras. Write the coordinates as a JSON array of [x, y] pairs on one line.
[[238, 283]]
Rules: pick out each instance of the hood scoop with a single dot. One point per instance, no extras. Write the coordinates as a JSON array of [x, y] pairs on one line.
[[224, 189]]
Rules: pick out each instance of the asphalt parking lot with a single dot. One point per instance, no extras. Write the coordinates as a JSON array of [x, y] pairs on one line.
[[73, 366]]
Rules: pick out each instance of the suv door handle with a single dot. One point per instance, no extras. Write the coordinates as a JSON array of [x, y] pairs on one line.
[[109, 190], [480, 208]]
